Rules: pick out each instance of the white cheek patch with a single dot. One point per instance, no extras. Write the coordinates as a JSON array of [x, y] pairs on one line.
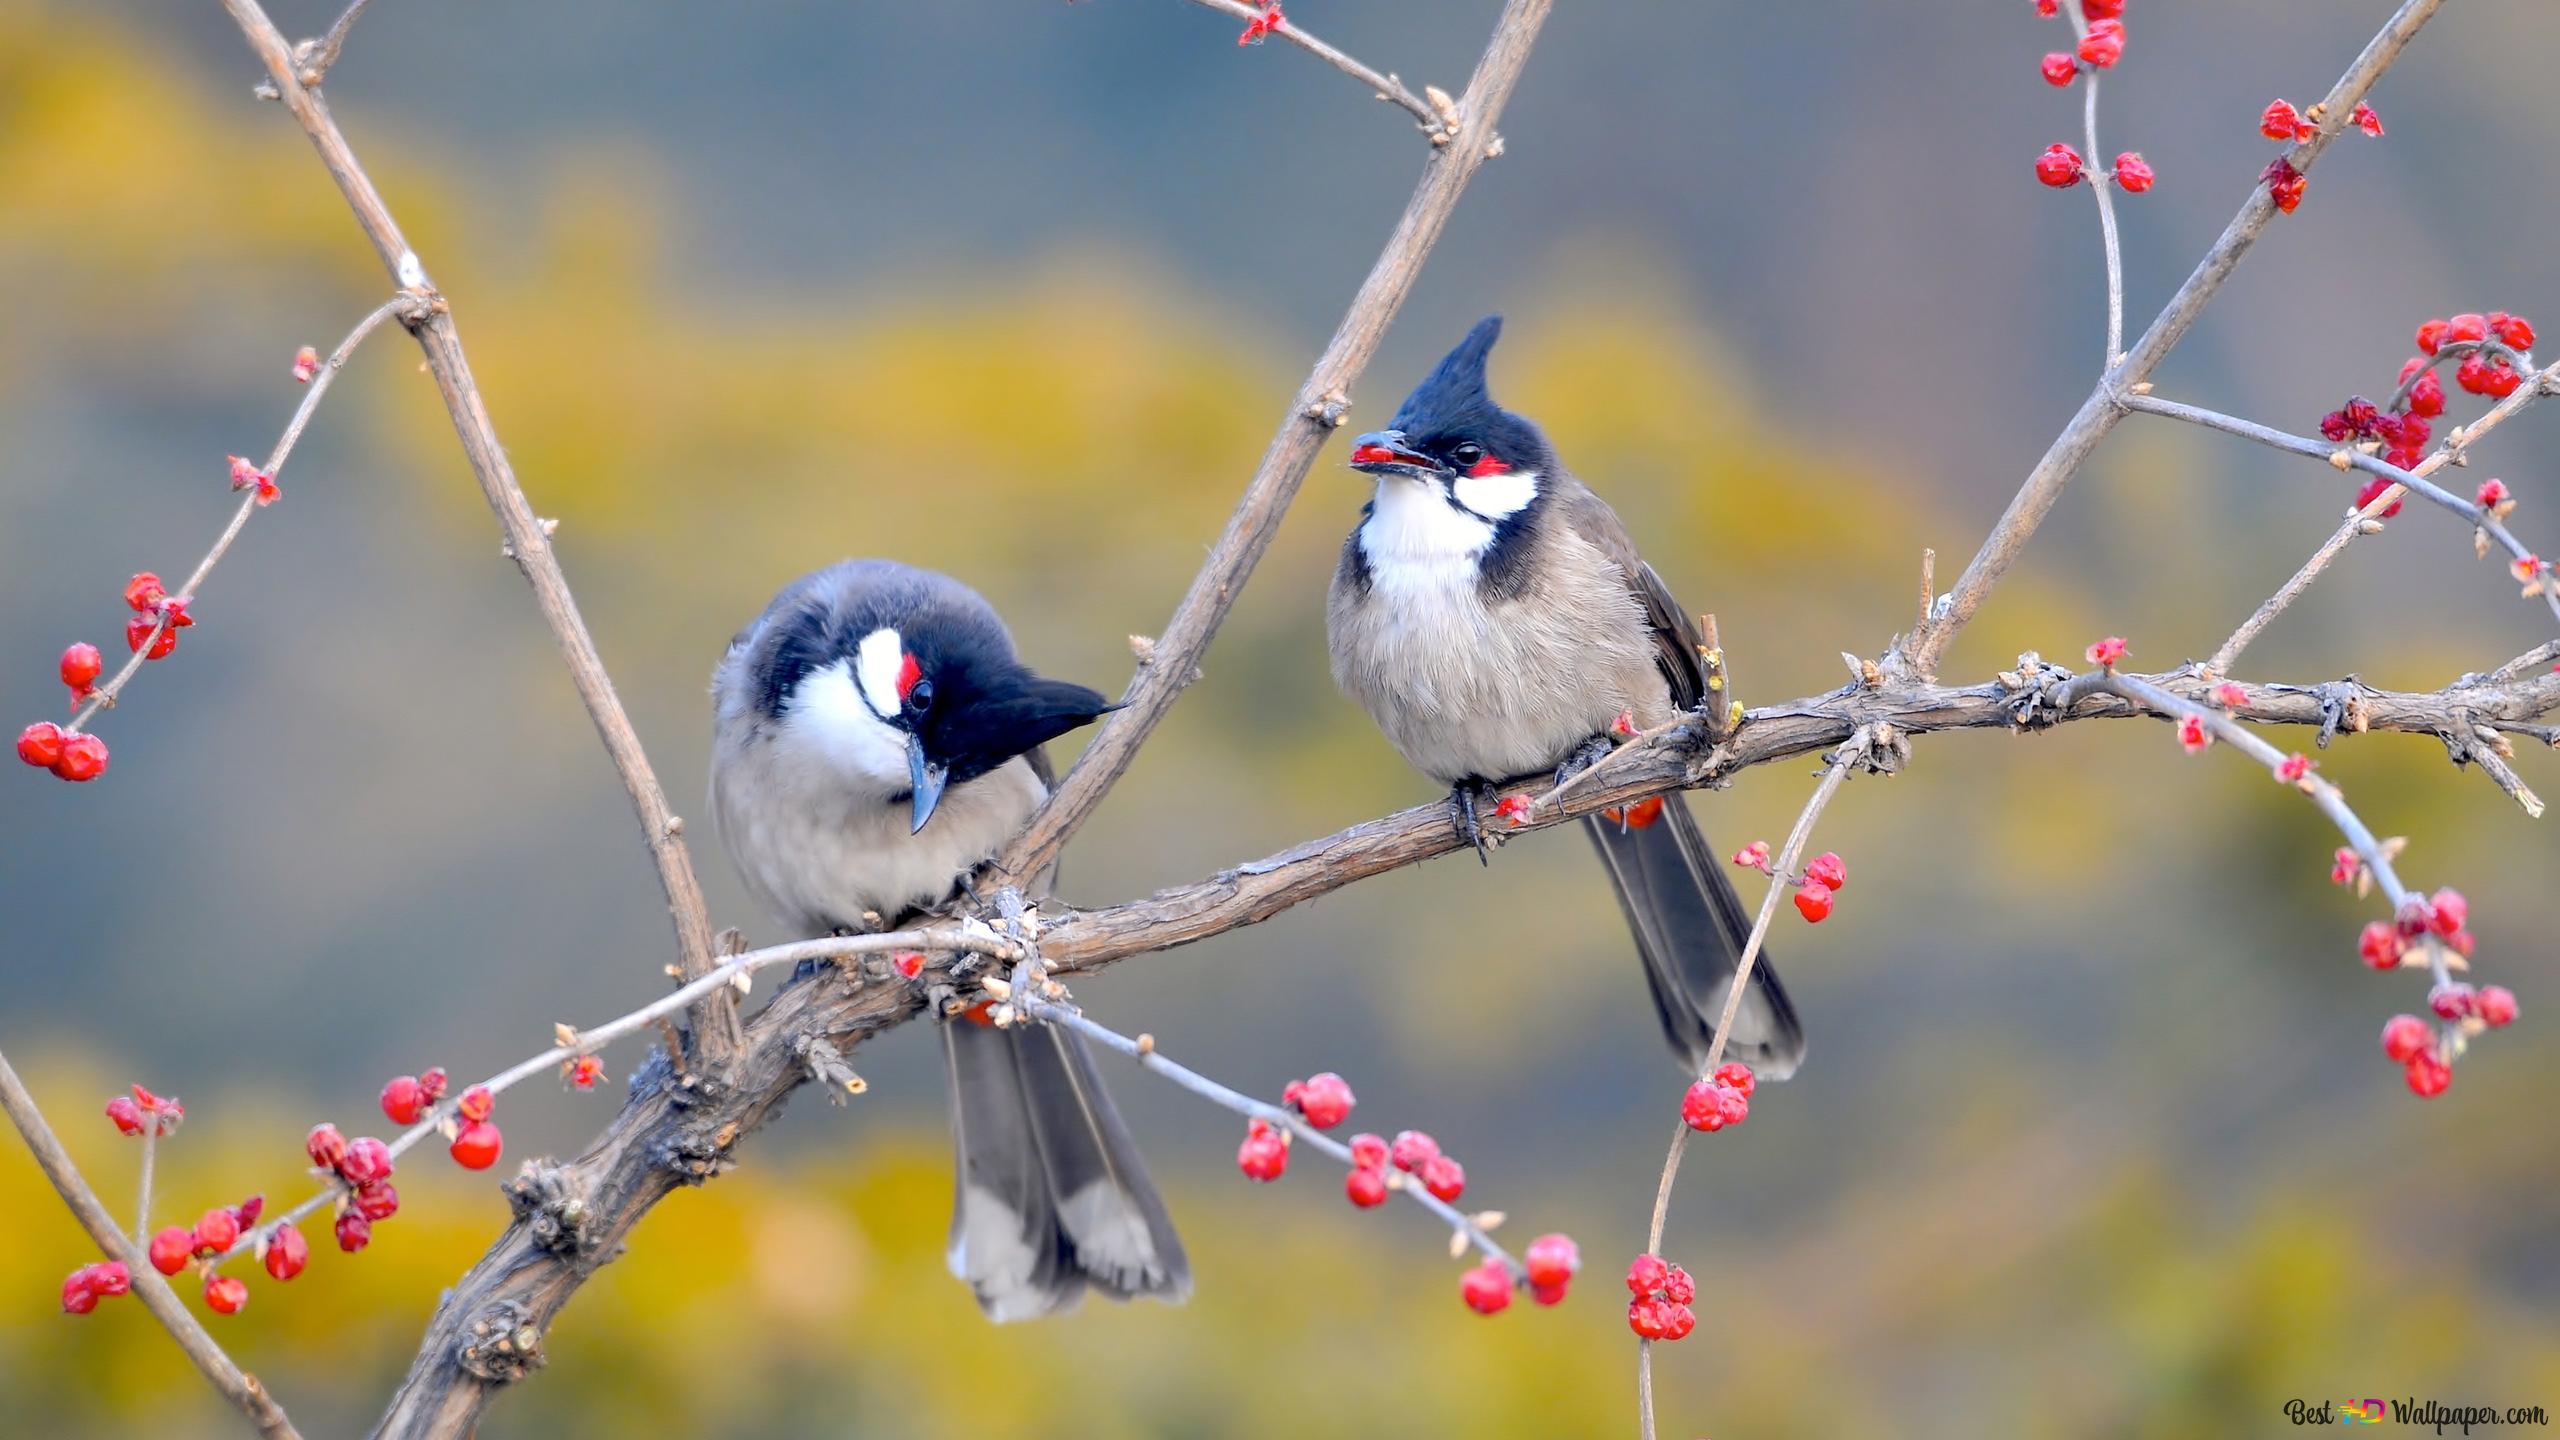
[[828, 716], [878, 659], [1410, 523], [1496, 497]]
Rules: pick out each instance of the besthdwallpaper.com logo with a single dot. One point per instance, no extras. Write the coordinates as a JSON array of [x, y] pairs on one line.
[[2429, 1414]]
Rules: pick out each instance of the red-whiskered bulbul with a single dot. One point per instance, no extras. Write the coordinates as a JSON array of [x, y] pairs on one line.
[[1492, 615], [874, 741]]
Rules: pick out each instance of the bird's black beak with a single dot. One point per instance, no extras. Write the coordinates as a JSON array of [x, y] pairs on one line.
[[928, 778], [1387, 452]]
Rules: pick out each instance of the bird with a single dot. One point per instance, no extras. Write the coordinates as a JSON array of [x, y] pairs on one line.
[[1491, 614], [876, 739]]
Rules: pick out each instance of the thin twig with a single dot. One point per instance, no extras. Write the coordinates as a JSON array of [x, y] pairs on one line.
[[528, 539], [142, 1189], [1154, 1062], [2098, 414], [2457, 443], [2102, 186], [1314, 413], [1386, 87], [1847, 758], [105, 695], [729, 973], [239, 1387]]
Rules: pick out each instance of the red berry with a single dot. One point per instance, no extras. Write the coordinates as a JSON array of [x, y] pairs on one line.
[[2101, 9], [586, 1071], [2426, 398], [1678, 1288], [1323, 1099], [2447, 911], [432, 1080], [2059, 166], [79, 1292], [354, 1231], [1644, 1316], [248, 1211], [326, 1147], [2192, 736], [1813, 902], [109, 1279], [2466, 328], [2404, 1036], [2515, 331], [1699, 1109], [1514, 808], [2284, 184], [2380, 945], [2493, 493], [81, 666], [2059, 67], [2450, 1002], [225, 1294], [1444, 1177], [2372, 491], [2365, 120], [1368, 1152], [2431, 336], [1754, 856], [404, 1100], [1737, 1075], [217, 1231], [2472, 375], [2133, 172], [1487, 1288], [171, 1249], [1646, 1275], [366, 1161], [2501, 380], [84, 757], [126, 1114], [144, 592], [306, 363], [2108, 651], [137, 633], [287, 1253], [476, 1103], [2280, 121], [379, 1201], [2291, 769], [2048, 8], [908, 963], [1552, 1261], [1264, 1153], [2103, 46], [1411, 1149], [1829, 869], [477, 1145], [40, 744], [1365, 1186], [2496, 1006], [2428, 1074]]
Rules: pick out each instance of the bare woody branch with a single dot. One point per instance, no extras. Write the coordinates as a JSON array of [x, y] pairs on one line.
[[1918, 656], [1315, 411], [1433, 122], [528, 539], [237, 1386]]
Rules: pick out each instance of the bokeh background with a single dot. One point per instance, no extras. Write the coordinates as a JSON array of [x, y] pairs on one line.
[[2093, 1140]]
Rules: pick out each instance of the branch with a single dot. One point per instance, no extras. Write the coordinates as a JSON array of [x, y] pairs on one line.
[[1143, 1051], [2102, 187], [2456, 447], [1918, 656], [528, 539], [1433, 123], [1664, 760], [1314, 413], [1848, 757], [104, 697], [240, 1388]]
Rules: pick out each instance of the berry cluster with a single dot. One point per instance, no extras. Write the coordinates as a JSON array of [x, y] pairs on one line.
[[1663, 1294], [1824, 876], [2281, 122], [1719, 1100], [1412, 1152], [2493, 353], [364, 1166], [143, 1111], [282, 1250], [2409, 938], [2101, 46], [90, 1284]]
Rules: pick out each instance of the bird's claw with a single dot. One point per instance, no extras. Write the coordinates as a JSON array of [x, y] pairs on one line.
[[1585, 755], [1462, 797]]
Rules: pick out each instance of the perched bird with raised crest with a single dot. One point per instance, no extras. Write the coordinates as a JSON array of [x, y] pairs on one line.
[[1492, 615], [875, 740]]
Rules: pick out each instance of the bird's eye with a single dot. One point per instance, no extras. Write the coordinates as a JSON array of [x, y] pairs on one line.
[[920, 696], [1466, 455]]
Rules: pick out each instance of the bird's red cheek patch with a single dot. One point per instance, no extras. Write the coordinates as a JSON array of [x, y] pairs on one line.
[[1489, 465], [909, 672]]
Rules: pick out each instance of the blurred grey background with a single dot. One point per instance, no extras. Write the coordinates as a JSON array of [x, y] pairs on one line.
[[2093, 1138]]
